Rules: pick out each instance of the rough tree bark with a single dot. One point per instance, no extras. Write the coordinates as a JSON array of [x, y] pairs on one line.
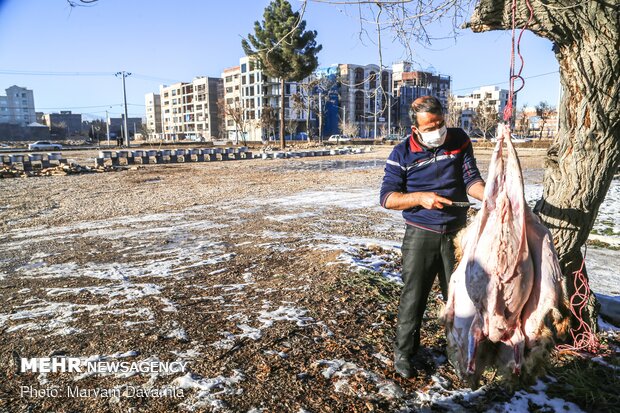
[[584, 156]]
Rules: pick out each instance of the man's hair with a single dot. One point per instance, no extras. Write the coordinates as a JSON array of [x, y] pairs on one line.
[[429, 104]]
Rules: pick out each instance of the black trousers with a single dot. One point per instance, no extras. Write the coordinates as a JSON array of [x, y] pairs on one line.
[[426, 254]]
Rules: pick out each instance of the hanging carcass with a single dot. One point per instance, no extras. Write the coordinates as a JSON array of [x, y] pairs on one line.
[[505, 296]]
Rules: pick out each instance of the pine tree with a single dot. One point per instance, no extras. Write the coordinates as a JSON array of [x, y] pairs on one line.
[[283, 48]]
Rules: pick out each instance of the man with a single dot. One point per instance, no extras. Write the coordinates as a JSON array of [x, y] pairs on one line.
[[424, 175]]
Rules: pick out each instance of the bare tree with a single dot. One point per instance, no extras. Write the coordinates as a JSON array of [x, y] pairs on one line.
[[453, 118], [544, 111], [523, 121], [348, 128], [486, 118], [236, 113], [268, 120], [221, 114]]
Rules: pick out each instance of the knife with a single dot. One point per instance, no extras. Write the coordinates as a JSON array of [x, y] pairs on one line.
[[460, 204]]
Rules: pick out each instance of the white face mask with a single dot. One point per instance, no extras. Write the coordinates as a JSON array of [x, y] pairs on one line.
[[434, 138]]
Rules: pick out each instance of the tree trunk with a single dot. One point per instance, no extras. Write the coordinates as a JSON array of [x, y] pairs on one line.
[[282, 142], [308, 115], [582, 160]]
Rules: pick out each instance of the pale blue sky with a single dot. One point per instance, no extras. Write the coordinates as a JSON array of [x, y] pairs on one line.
[[73, 53]]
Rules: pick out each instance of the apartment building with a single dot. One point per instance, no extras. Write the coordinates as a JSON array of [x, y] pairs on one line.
[[231, 108], [493, 96], [365, 98], [248, 94], [17, 107], [190, 110], [409, 84], [152, 103], [63, 124]]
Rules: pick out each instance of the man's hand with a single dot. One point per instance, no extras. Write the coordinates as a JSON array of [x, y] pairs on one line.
[[428, 200], [431, 200]]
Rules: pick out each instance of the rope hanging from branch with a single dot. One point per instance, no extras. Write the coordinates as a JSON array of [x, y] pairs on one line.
[[516, 46]]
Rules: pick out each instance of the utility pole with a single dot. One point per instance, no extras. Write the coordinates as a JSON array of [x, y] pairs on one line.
[[107, 126], [320, 117], [375, 111], [389, 106], [124, 74]]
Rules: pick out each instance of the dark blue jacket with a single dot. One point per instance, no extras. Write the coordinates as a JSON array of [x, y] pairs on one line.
[[448, 170]]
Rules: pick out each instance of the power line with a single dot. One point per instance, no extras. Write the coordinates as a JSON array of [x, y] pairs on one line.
[[504, 82], [39, 73]]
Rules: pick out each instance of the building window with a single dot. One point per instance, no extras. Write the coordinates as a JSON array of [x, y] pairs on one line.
[[359, 77], [359, 106], [243, 68], [372, 80]]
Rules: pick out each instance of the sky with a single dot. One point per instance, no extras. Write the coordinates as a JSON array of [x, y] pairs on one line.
[[68, 56]]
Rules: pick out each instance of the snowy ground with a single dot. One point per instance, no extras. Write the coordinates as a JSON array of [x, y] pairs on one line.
[[233, 274]]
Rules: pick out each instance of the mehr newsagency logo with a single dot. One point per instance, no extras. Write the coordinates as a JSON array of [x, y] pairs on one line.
[[105, 367]]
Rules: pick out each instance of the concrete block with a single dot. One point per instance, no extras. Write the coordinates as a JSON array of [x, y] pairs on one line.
[[57, 156], [18, 158], [105, 154]]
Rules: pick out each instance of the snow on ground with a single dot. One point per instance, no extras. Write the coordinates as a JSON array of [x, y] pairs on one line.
[[167, 246], [208, 391]]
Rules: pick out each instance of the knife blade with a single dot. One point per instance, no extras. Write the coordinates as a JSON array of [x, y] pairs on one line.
[[461, 204]]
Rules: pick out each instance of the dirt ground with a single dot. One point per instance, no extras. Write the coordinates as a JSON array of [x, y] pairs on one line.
[[241, 268]]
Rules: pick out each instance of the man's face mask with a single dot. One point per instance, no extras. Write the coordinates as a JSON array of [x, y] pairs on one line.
[[434, 138]]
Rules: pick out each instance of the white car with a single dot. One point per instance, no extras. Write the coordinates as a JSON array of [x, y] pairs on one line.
[[338, 138], [44, 146]]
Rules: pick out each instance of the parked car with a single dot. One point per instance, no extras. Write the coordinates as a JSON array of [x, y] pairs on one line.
[[44, 146], [338, 138]]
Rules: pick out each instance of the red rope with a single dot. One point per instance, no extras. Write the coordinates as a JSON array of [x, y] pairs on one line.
[[516, 43], [584, 338]]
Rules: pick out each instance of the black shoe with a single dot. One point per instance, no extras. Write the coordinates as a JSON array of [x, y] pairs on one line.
[[403, 366]]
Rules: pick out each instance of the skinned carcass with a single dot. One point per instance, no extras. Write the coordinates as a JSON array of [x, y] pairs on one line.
[[506, 290]]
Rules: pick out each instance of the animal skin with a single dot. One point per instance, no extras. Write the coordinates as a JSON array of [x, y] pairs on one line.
[[505, 295]]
